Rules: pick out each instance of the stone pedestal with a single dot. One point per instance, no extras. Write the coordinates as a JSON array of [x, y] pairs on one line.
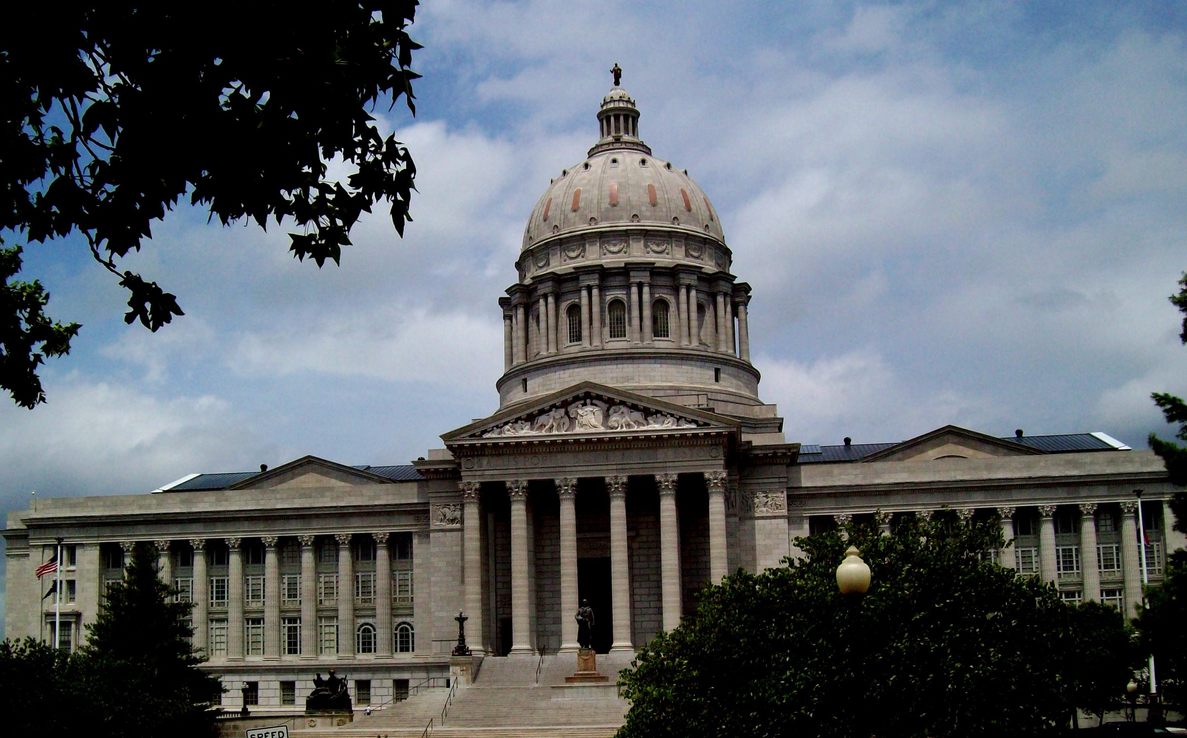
[[327, 719], [464, 669], [587, 669]]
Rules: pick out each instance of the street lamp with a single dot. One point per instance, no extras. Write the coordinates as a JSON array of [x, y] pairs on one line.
[[1131, 693], [853, 575]]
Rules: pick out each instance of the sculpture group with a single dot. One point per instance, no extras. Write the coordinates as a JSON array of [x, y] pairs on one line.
[[587, 416]]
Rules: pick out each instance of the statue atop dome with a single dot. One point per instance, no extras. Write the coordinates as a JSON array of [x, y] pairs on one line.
[[617, 72]]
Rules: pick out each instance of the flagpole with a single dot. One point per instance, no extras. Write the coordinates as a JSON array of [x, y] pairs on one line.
[[58, 599], [1145, 578]]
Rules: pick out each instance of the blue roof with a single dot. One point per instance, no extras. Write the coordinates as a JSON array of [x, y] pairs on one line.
[[223, 480]]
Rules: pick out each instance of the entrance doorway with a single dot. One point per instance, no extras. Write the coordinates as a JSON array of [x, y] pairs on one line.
[[593, 584]]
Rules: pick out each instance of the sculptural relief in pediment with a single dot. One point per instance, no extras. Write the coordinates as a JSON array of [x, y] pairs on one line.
[[588, 416]]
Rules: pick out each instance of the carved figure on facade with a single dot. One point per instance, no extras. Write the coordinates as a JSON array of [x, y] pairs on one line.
[[586, 416], [447, 515], [614, 246], [657, 246], [574, 251], [770, 501]]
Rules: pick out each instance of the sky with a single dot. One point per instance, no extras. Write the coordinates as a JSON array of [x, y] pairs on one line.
[[950, 213]]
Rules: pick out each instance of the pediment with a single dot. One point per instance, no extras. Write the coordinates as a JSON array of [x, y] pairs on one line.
[[589, 409], [310, 471], [951, 442]]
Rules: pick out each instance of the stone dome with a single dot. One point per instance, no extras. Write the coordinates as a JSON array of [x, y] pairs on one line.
[[621, 185]]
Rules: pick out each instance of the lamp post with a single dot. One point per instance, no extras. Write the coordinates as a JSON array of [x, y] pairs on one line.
[[1145, 583], [244, 689], [1131, 694]]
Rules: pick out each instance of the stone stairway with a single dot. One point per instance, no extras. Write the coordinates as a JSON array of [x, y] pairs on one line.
[[505, 701]]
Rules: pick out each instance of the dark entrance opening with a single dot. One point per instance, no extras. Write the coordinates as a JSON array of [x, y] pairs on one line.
[[593, 584]]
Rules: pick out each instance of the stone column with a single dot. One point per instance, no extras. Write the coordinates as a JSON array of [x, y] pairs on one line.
[[585, 330], [743, 333], [596, 308], [345, 597], [1089, 564], [718, 541], [1047, 568], [633, 332], [128, 547], [620, 565], [1131, 558], [566, 492], [1005, 556], [521, 616], [508, 343], [693, 337], [271, 598], [681, 315], [383, 595], [669, 550], [472, 557], [731, 338], [648, 336], [521, 333], [201, 611], [164, 562], [308, 598], [722, 331], [553, 331], [234, 599]]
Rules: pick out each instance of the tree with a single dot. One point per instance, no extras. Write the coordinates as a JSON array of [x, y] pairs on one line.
[[1160, 624], [1103, 659], [1175, 411], [39, 690], [139, 668], [945, 643], [112, 112]]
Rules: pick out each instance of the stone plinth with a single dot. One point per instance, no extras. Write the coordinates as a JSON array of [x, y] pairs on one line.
[[327, 719], [464, 669], [587, 669]]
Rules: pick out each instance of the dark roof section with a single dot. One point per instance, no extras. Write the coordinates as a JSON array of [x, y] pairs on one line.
[[223, 480], [1053, 444]]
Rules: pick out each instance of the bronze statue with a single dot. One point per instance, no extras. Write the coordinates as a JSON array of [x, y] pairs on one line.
[[585, 624], [328, 695], [617, 72]]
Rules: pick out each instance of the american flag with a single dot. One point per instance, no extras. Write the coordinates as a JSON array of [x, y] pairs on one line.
[[48, 567]]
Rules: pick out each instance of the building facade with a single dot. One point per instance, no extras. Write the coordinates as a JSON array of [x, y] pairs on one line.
[[631, 462]]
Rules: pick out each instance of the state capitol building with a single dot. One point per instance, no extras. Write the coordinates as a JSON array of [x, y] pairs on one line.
[[631, 462]]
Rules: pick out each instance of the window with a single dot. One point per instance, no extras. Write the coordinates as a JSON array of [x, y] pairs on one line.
[[573, 316], [70, 590], [218, 555], [1024, 525], [327, 589], [362, 691], [218, 637], [183, 589], [1067, 561], [218, 591], [399, 690], [1073, 598], [253, 591], [251, 693], [69, 556], [365, 639], [364, 550], [364, 587], [65, 634], [253, 554], [327, 634], [1108, 556], [327, 553], [107, 585], [1026, 559], [253, 636], [183, 557], [401, 547], [290, 554], [405, 638], [1113, 598], [290, 638], [288, 693], [402, 586], [1153, 558], [290, 589], [1106, 523], [616, 317], [113, 558], [660, 326], [1065, 523]]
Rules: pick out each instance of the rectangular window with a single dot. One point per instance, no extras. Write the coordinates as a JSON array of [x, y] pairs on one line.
[[253, 554], [218, 637], [65, 637], [1113, 597], [251, 693], [290, 589], [108, 584], [327, 553], [1153, 558], [70, 592], [253, 591], [362, 691], [401, 547], [327, 589], [218, 555], [1065, 523], [1071, 597], [183, 589], [1024, 525], [399, 690], [290, 554], [1026, 559], [113, 557], [1067, 561], [290, 637], [253, 636], [69, 556], [364, 550], [364, 587], [183, 557], [402, 586], [1108, 556], [1106, 523], [218, 591], [288, 693], [327, 635]]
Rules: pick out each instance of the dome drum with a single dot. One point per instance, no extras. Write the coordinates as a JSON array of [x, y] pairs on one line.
[[615, 245]]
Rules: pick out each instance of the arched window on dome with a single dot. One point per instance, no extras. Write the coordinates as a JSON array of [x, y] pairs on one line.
[[704, 325], [660, 325], [404, 638], [365, 638], [573, 316], [616, 317]]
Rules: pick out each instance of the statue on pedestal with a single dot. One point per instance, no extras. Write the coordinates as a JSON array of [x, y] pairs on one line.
[[328, 695], [585, 624]]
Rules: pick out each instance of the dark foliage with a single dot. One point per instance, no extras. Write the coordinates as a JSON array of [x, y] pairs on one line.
[[113, 112], [40, 690]]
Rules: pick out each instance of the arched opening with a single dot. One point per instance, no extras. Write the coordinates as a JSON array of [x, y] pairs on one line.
[[404, 638], [660, 325], [616, 317], [365, 638], [573, 316]]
